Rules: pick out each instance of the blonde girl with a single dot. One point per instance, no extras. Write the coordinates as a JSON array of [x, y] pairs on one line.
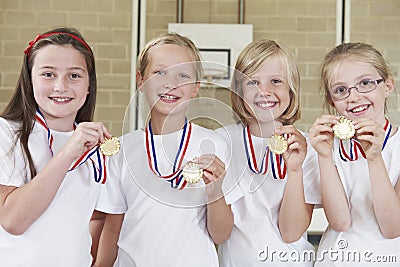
[[359, 176], [278, 192]]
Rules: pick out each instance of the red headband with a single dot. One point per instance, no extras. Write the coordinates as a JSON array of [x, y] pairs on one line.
[[38, 37]]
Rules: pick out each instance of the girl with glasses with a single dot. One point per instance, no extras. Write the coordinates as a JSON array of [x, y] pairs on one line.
[[360, 171]]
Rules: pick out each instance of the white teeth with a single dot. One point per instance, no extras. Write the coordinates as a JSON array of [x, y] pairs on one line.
[[265, 105], [359, 109], [169, 97], [60, 99]]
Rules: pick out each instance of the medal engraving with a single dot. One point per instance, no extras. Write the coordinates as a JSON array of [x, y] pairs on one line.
[[110, 147], [344, 129], [277, 144], [192, 173]]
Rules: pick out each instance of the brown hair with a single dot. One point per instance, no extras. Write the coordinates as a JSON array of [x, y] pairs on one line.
[[22, 106]]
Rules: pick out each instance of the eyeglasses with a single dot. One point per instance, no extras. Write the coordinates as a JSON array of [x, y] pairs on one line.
[[365, 86]]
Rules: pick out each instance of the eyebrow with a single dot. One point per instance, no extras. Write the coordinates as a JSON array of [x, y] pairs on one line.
[[71, 68], [268, 76], [160, 66], [358, 78], [363, 75]]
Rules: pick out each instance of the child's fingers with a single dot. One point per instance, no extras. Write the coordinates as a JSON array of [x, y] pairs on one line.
[[372, 129], [207, 159], [209, 177], [211, 164], [317, 129], [96, 129], [323, 124], [297, 146], [327, 119], [105, 131], [298, 143], [321, 138], [363, 122], [102, 131]]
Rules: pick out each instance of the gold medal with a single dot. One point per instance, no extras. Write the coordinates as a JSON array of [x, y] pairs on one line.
[[277, 144], [344, 129], [192, 173], [110, 147]]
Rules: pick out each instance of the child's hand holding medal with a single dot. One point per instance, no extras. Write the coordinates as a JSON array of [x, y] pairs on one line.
[[289, 143]]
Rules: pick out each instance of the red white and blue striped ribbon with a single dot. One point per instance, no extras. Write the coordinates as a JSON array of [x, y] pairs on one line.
[[349, 150], [98, 163], [278, 166], [175, 178]]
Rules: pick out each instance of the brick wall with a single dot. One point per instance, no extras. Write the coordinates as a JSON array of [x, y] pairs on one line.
[[105, 24], [377, 22], [306, 26]]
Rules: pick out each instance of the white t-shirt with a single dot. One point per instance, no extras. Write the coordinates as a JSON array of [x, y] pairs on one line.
[[162, 226], [60, 237], [255, 239], [363, 241]]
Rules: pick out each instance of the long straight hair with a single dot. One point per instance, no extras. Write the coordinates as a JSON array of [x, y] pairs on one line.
[[22, 106]]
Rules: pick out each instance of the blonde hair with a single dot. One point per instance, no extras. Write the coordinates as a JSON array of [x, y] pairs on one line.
[[350, 52], [249, 61], [175, 39]]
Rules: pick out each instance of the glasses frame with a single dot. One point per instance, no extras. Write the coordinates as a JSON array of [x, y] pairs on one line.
[[376, 82]]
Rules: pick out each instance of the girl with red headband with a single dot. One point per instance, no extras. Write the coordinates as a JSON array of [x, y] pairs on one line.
[[51, 168]]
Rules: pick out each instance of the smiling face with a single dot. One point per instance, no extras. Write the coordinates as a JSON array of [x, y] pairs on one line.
[[266, 91], [169, 80], [360, 105], [60, 83]]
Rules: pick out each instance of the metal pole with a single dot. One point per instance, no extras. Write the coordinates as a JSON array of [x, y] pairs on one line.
[[241, 12], [179, 11]]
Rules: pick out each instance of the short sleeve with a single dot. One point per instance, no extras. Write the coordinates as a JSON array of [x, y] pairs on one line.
[[311, 177], [230, 186], [12, 167], [112, 198]]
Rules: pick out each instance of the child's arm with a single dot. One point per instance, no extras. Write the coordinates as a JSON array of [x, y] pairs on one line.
[[96, 226], [294, 214], [108, 247], [21, 206], [334, 199], [219, 214], [385, 197], [219, 220]]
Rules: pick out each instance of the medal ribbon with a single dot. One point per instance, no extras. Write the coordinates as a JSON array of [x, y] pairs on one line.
[[278, 166], [355, 148], [98, 164], [175, 178]]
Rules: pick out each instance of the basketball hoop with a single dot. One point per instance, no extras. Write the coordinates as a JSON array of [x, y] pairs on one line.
[[211, 74]]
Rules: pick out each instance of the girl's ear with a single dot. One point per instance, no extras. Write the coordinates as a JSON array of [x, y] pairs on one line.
[[139, 80], [196, 89], [389, 86]]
